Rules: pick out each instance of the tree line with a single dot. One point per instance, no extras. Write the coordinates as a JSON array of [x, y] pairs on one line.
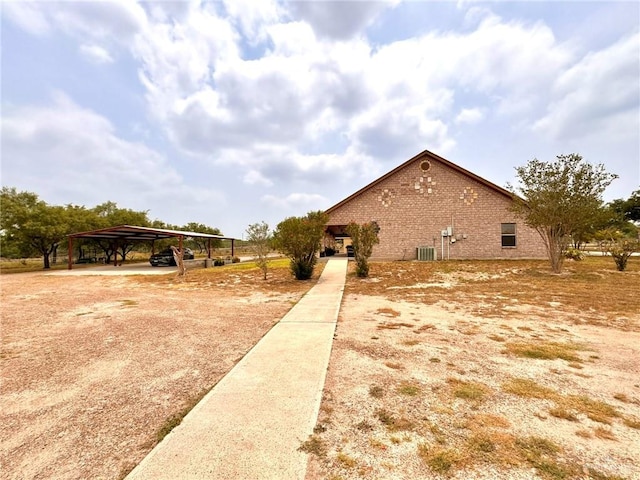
[[29, 226]]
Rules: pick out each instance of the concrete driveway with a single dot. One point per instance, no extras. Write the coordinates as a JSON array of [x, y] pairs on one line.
[[127, 269]]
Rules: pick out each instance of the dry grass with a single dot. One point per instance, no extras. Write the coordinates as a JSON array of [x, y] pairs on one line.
[[394, 422], [314, 446], [604, 433], [563, 413], [566, 405], [487, 388], [439, 460], [545, 350], [524, 387], [393, 325], [467, 390], [96, 370], [409, 389], [596, 410], [590, 288], [346, 461], [244, 278]]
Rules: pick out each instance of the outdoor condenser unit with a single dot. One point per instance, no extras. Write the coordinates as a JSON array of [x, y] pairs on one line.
[[425, 254]]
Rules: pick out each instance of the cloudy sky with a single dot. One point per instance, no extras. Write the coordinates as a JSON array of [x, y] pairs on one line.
[[232, 112]]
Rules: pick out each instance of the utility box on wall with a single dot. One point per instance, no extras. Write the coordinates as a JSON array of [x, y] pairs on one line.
[[425, 254]]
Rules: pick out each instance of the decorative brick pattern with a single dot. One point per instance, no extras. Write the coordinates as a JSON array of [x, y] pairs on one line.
[[413, 213], [468, 196], [385, 197]]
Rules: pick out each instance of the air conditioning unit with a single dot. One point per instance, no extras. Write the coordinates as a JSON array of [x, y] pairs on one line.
[[426, 254]]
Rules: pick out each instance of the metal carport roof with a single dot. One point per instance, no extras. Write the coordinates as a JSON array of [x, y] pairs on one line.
[[131, 233]]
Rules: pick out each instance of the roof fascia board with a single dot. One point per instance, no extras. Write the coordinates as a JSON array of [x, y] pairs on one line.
[[123, 231]]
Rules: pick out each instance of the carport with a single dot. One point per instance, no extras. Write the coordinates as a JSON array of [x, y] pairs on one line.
[[128, 234]]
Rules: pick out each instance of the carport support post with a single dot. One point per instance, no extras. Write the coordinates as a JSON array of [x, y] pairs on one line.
[[180, 246], [70, 254], [209, 248], [232, 242]]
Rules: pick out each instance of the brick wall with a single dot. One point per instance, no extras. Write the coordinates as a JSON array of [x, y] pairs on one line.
[[413, 205]]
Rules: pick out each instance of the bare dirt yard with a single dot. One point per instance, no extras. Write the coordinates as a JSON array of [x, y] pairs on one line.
[[465, 370], [483, 370], [95, 370]]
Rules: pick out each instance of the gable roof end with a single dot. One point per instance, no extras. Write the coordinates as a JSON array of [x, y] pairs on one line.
[[425, 155]]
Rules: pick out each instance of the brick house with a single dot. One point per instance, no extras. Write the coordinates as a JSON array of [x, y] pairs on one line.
[[429, 208]]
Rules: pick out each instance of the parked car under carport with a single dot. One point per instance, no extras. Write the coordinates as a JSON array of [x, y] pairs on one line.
[[165, 258]]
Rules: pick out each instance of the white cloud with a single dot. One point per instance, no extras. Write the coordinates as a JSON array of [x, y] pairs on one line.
[[252, 18], [28, 16], [115, 20], [96, 54], [469, 116], [385, 103], [293, 91], [67, 153], [599, 92], [254, 177], [339, 20], [177, 60], [295, 201], [118, 20]]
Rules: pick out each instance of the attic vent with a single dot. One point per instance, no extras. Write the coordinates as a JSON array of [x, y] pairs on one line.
[[425, 254], [425, 165]]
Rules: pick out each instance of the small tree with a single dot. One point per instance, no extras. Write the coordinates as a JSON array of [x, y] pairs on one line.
[[618, 246], [363, 238], [259, 240], [622, 250], [560, 199], [299, 238]]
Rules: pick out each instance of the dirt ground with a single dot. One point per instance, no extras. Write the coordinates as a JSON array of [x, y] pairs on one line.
[[481, 372], [95, 368], [448, 370]]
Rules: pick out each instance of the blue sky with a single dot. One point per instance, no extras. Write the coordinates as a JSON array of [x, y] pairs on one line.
[[234, 112]]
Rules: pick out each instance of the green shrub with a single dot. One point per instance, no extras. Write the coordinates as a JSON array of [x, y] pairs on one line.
[[302, 269], [574, 254], [299, 238], [363, 238]]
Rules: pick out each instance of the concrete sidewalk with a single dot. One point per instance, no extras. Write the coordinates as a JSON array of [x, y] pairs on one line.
[[250, 425]]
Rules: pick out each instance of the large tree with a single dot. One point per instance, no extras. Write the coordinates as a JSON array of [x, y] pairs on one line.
[[628, 209], [201, 243], [299, 238], [560, 199], [110, 215], [32, 225]]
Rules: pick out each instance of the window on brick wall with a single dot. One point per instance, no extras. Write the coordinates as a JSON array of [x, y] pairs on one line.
[[508, 231]]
